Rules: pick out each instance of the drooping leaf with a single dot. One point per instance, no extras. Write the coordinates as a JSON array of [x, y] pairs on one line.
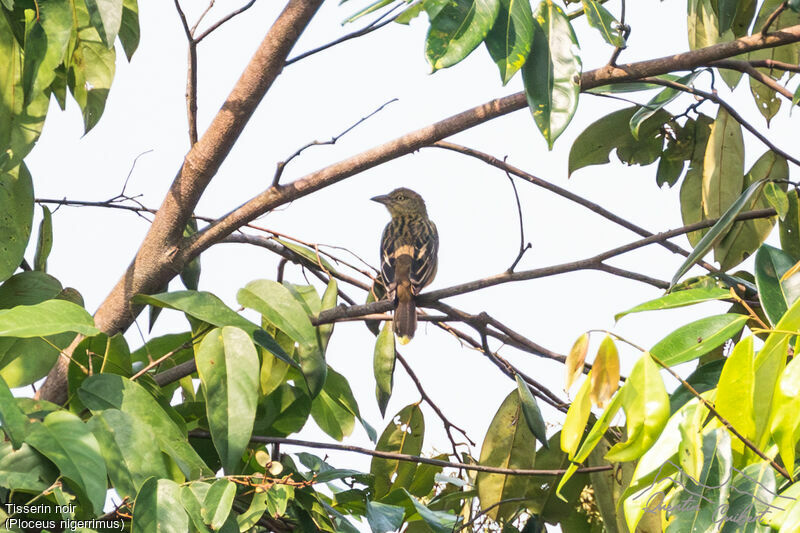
[[605, 373], [129, 27], [16, 204], [776, 295], [383, 365], [403, 434], [508, 444], [702, 24], [777, 198], [218, 502], [676, 299], [106, 17], [227, 364], [723, 167], [457, 29], [600, 19], [576, 419], [201, 305], [691, 194], [533, 416], [594, 145], [158, 507], [573, 367], [509, 41], [66, 441], [45, 242], [551, 74], [13, 421]]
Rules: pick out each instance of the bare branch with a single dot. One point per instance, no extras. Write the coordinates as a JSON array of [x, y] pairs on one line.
[[410, 458], [747, 68], [222, 21], [773, 17]]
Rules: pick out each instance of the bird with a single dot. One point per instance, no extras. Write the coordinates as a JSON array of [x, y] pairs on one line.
[[409, 247]]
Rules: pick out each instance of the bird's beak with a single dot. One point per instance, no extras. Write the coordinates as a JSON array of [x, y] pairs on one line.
[[382, 199]]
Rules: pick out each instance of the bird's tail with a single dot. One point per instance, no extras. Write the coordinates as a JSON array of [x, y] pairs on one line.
[[405, 316]]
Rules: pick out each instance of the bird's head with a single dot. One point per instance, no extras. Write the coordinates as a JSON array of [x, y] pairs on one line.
[[402, 202]]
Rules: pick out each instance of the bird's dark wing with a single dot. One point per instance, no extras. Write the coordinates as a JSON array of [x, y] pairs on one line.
[[426, 249], [388, 259]]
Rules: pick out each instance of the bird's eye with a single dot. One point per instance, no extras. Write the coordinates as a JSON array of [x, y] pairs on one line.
[[401, 197]]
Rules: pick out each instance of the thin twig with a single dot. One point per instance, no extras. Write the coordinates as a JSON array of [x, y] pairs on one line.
[[731, 111], [488, 509], [747, 68], [782, 471], [773, 17], [279, 170], [201, 17], [191, 77], [223, 20], [411, 458], [625, 31], [522, 246]]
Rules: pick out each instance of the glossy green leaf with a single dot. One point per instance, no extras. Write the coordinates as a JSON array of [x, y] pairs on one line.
[[777, 198], [201, 305], [28, 288], [383, 518], [131, 455], [702, 24], [744, 237], [576, 419], [282, 412], [595, 144], [383, 366], [158, 507], [509, 41], [604, 377], [697, 338], [678, 299], [104, 391], [45, 242], [91, 68], [785, 417], [723, 166], [227, 364], [704, 378], [329, 299], [106, 17], [776, 296], [718, 230], [457, 29], [46, 318], [403, 434], [690, 452], [727, 12], [249, 518], [533, 416], [552, 73], [789, 227], [704, 496], [218, 502], [129, 27], [508, 444], [25, 469], [691, 194], [333, 409], [734, 399], [16, 204], [13, 421], [66, 441], [646, 406], [192, 497], [190, 275], [276, 303], [664, 97], [600, 19]]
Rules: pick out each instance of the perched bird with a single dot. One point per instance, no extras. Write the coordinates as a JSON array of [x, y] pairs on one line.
[[408, 256]]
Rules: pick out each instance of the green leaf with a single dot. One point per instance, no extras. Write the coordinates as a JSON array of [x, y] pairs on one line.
[[13, 421], [383, 365], [703, 497], [201, 305], [457, 29], [129, 27], [266, 341], [704, 378], [16, 204], [576, 419], [227, 364], [646, 406], [594, 145], [679, 299], [101, 353], [131, 455], [744, 237], [776, 296], [533, 417], [276, 303], [766, 99], [249, 518], [697, 338], [723, 166], [789, 227], [28, 288], [46, 318], [383, 518], [552, 73], [600, 19], [104, 391], [664, 97], [403, 434], [335, 408], [106, 17], [777, 198], [702, 24], [66, 441], [282, 412], [508, 444], [691, 195], [785, 416], [727, 12], [374, 6], [45, 242], [158, 507], [218, 502], [509, 41], [718, 230], [25, 469], [190, 275], [192, 497], [438, 521], [752, 490]]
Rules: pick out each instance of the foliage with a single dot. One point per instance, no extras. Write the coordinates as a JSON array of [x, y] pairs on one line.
[[192, 453]]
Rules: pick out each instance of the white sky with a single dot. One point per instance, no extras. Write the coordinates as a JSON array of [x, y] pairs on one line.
[[471, 203]]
